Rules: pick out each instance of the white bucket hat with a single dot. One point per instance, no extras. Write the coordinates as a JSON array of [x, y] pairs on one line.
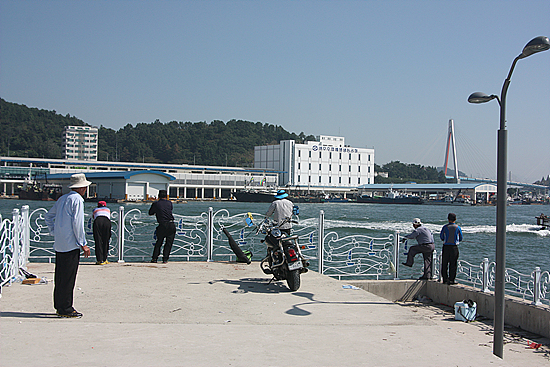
[[417, 221], [79, 180]]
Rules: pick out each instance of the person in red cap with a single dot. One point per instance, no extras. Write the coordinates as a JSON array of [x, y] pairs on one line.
[[102, 232]]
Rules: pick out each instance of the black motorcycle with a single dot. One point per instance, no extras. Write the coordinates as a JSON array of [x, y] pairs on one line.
[[284, 259]]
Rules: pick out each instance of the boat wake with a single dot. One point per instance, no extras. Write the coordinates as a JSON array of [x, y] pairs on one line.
[[405, 227]]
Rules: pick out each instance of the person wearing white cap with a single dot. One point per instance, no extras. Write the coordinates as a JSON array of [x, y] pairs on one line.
[[65, 220], [281, 209], [425, 246]]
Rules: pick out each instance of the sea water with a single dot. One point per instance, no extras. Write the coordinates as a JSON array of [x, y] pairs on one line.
[[527, 246]]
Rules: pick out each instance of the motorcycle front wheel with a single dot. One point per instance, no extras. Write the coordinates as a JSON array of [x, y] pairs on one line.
[[293, 280]]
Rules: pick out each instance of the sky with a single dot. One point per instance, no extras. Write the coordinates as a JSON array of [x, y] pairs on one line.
[[382, 74]]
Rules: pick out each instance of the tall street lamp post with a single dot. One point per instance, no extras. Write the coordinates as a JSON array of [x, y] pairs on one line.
[[537, 44]]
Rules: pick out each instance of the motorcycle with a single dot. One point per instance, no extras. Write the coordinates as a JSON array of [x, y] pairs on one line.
[[284, 260]]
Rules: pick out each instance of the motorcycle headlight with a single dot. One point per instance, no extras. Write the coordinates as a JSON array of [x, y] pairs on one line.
[[276, 232]]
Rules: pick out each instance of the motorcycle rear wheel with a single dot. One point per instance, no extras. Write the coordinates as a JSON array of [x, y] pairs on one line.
[[293, 280]]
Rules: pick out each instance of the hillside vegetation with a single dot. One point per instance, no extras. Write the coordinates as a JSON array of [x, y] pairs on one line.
[[30, 132], [36, 133]]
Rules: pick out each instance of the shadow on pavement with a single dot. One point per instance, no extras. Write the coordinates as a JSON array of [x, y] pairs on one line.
[[296, 310], [29, 315], [255, 285]]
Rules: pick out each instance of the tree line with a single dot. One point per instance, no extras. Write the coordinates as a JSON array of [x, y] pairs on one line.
[[37, 133]]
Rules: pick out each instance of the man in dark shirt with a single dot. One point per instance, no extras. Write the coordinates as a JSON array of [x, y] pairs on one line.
[[162, 209]]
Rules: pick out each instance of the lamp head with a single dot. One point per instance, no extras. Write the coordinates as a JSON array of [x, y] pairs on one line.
[[480, 97], [537, 44]]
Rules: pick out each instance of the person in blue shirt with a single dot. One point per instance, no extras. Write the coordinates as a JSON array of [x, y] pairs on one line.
[[425, 246], [65, 220], [451, 235]]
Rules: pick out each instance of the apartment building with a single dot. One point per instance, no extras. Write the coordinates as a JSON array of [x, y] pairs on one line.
[[80, 143]]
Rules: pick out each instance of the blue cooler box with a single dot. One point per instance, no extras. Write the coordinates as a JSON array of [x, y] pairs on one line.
[[465, 312]]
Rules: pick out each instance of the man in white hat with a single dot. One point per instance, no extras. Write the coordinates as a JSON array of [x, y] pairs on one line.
[[65, 220], [425, 246], [281, 209]]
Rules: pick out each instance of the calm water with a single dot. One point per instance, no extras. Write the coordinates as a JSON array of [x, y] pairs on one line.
[[527, 245]]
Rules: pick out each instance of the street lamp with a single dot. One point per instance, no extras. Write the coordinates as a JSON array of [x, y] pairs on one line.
[[537, 44]]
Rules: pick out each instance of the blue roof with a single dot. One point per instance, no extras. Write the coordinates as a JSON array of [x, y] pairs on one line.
[[104, 175], [144, 166]]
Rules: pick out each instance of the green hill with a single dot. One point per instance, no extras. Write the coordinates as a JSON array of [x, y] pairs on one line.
[[30, 132]]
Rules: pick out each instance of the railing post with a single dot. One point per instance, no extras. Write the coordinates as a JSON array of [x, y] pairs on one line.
[[396, 254], [15, 236], [320, 250], [26, 234], [536, 287], [121, 221], [485, 275], [434, 256], [210, 234]]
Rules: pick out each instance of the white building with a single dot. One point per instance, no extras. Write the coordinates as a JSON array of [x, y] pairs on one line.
[[80, 143], [327, 164]]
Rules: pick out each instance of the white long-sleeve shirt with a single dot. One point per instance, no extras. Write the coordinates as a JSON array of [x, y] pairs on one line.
[[65, 220]]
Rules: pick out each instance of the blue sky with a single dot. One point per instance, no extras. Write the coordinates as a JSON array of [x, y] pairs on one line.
[[383, 74]]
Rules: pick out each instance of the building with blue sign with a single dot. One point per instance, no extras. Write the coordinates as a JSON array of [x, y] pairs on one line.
[[327, 165]]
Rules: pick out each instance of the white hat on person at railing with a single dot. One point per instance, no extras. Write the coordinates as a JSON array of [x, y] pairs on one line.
[[79, 180], [417, 221]]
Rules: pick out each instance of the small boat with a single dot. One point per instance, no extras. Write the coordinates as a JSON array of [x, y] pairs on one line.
[[35, 191], [255, 195], [306, 199], [543, 221], [391, 197]]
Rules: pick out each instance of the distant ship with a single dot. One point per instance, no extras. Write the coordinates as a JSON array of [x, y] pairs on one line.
[[46, 192], [255, 195], [391, 197]]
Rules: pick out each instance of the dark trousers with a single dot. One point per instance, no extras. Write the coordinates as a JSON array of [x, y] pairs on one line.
[[102, 235], [164, 230], [66, 267], [449, 259], [427, 250]]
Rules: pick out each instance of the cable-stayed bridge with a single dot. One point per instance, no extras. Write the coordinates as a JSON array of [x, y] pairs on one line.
[[451, 148]]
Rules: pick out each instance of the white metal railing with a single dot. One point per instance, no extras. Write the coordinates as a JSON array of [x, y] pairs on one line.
[[14, 244], [338, 254]]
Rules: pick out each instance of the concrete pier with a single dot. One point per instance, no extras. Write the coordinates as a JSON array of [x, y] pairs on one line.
[[226, 314]]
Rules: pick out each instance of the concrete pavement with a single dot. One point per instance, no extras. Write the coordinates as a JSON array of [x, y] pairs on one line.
[[226, 314]]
